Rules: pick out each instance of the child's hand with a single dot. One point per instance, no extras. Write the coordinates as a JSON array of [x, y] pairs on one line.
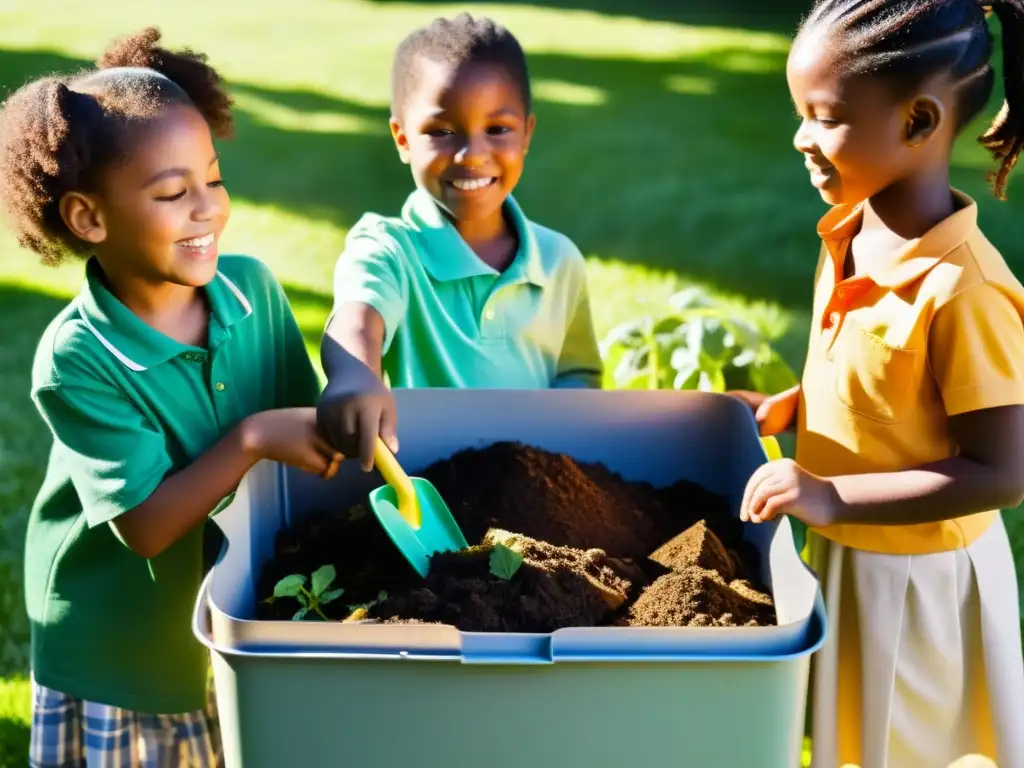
[[783, 487], [289, 436], [773, 414], [354, 409]]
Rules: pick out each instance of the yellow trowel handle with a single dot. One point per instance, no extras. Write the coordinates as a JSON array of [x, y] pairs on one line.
[[394, 475], [771, 448]]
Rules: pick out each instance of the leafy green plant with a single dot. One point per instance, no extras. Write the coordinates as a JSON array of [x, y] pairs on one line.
[[504, 561], [697, 343], [315, 596]]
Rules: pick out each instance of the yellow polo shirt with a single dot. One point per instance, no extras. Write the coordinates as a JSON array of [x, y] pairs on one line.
[[932, 332]]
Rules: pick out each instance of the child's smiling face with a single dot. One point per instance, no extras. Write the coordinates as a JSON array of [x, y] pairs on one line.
[[159, 212], [858, 133], [465, 132]]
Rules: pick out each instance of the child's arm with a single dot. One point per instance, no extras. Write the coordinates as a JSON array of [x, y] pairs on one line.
[[122, 472], [774, 414], [184, 500], [987, 474], [580, 364], [976, 356], [369, 305]]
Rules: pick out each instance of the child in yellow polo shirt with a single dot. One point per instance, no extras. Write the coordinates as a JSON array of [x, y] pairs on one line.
[[461, 290], [910, 412]]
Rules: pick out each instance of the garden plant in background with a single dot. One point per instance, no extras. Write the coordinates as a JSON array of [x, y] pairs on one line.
[[698, 343]]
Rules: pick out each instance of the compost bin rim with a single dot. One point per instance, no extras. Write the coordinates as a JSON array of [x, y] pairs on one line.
[[816, 631]]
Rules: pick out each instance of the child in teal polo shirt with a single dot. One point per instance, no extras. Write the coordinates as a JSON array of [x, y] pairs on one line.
[[169, 376], [461, 290]]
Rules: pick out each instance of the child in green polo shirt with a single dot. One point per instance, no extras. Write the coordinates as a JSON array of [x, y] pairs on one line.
[[169, 376], [461, 290]]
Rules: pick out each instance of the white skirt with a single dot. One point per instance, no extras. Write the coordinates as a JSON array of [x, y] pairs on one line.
[[922, 666]]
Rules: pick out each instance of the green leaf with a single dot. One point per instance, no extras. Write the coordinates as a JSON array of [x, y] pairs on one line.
[[629, 334], [684, 357], [689, 298], [322, 578], [666, 325], [303, 600], [688, 375], [289, 586], [330, 595], [746, 357], [744, 333], [632, 370], [712, 380], [505, 561], [713, 341], [772, 375], [301, 613], [382, 596]]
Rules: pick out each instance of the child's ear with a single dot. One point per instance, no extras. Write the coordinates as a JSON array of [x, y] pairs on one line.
[[924, 118], [83, 215], [531, 123], [401, 140]]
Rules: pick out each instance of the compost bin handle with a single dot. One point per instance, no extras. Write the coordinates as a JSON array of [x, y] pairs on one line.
[[201, 613]]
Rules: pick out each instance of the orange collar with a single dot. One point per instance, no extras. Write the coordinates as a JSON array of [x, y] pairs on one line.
[[915, 258]]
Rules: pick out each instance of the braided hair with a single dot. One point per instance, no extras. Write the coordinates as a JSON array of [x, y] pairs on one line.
[[910, 41], [58, 133], [458, 41]]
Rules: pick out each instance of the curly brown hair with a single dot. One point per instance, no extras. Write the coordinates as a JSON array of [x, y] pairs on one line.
[[58, 133]]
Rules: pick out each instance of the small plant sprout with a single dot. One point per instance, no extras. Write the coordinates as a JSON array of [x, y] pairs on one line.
[[315, 596], [360, 611], [505, 561]]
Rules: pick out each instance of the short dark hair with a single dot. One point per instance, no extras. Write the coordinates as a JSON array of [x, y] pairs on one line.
[[458, 41], [908, 41], [59, 132]]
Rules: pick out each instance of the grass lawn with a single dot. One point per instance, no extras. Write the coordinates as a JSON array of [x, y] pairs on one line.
[[663, 148]]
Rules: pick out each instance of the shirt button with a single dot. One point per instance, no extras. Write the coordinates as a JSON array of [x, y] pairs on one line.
[[489, 314], [840, 292], [220, 386]]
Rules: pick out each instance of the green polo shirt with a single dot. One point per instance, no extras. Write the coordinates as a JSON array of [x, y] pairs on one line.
[[128, 406], [453, 321]]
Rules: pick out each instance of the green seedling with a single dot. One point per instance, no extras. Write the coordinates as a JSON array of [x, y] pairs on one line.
[[360, 611], [381, 597], [505, 561], [315, 596]]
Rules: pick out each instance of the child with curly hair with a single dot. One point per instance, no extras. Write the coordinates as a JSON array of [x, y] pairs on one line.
[[171, 373]]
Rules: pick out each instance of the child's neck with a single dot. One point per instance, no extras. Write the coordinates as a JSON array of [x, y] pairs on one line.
[[494, 239], [179, 312], [900, 213]]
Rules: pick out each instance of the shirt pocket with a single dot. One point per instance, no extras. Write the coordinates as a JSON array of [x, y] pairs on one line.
[[872, 378]]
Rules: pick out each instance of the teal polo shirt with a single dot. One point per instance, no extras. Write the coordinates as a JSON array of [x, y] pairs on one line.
[[451, 320], [128, 406]]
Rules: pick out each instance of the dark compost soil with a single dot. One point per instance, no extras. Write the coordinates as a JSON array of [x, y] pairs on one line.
[[596, 550]]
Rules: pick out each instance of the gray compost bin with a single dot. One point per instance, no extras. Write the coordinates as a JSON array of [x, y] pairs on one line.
[[296, 694]]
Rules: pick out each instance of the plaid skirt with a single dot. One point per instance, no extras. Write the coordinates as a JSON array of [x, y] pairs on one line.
[[72, 733]]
